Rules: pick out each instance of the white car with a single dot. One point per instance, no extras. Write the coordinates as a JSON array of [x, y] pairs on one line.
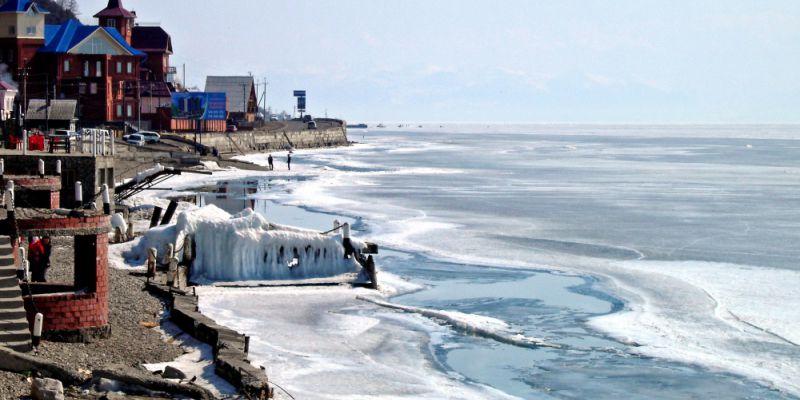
[[135, 139], [150, 137]]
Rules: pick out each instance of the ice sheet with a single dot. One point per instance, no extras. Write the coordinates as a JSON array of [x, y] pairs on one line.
[[735, 317], [324, 344]]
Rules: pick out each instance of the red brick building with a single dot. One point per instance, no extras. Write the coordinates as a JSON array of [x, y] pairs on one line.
[[96, 65]]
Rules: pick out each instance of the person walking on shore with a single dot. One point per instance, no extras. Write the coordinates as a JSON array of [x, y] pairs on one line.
[[269, 159], [289, 160]]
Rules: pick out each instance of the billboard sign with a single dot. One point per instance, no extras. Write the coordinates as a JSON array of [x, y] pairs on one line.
[[199, 106], [299, 93], [301, 103]]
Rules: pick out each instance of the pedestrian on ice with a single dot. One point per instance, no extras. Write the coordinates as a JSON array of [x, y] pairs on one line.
[[289, 160], [269, 159]]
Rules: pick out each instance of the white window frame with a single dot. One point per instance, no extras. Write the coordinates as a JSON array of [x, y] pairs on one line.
[[111, 23], [119, 110], [119, 67], [99, 69], [67, 66], [130, 67], [129, 109], [86, 68]]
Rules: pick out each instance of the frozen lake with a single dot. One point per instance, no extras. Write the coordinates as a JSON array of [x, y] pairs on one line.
[[674, 250]]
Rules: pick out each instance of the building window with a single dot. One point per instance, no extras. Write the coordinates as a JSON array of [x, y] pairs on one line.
[[111, 23], [12, 30], [66, 66], [93, 88], [31, 30], [82, 88], [99, 70], [130, 67], [85, 68], [130, 110], [119, 110], [119, 67]]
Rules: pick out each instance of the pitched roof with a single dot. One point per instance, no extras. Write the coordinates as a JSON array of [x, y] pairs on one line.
[[115, 9], [59, 110], [234, 88], [72, 33], [21, 6], [151, 39]]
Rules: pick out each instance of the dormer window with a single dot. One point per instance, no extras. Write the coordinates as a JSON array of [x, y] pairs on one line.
[[111, 23], [31, 30]]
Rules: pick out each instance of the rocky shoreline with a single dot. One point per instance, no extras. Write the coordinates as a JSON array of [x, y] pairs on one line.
[[134, 341]]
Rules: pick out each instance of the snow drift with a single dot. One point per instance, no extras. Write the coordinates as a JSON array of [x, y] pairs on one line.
[[247, 247]]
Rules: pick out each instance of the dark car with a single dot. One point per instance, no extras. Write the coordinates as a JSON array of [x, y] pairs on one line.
[[312, 124], [231, 128]]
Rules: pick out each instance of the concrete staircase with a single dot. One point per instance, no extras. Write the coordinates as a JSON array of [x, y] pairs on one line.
[[14, 331]]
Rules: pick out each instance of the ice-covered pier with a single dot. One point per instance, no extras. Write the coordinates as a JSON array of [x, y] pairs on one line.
[[215, 246]]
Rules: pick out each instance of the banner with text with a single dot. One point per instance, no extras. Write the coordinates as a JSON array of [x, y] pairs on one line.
[[199, 106]]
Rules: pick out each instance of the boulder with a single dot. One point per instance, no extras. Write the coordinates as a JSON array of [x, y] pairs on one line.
[[47, 389], [173, 373]]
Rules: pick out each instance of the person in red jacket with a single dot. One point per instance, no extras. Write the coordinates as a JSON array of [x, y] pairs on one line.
[[39, 257]]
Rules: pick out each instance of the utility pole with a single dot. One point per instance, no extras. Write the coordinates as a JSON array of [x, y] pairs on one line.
[[139, 102], [24, 107], [47, 104]]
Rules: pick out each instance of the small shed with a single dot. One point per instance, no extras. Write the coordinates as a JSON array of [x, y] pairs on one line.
[[58, 114]]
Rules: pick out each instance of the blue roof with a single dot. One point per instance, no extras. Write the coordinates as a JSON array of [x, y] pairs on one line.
[[62, 38], [50, 32], [21, 6]]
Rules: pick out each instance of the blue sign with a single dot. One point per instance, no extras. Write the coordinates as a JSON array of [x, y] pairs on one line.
[[301, 103], [200, 106], [299, 93]]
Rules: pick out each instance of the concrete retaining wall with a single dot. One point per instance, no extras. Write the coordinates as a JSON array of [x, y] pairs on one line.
[[259, 141], [230, 358]]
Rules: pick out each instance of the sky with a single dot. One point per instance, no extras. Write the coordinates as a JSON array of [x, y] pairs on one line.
[[554, 61]]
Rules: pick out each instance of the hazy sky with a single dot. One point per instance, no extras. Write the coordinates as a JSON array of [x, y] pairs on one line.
[[504, 60]]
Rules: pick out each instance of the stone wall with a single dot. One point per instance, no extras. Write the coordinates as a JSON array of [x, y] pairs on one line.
[[261, 141]]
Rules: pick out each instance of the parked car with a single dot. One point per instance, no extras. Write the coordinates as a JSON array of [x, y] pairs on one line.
[[150, 137], [231, 128], [312, 124], [61, 135], [135, 139], [273, 118]]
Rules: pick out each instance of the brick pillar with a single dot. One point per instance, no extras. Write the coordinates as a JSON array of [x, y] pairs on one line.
[[55, 200], [101, 279]]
